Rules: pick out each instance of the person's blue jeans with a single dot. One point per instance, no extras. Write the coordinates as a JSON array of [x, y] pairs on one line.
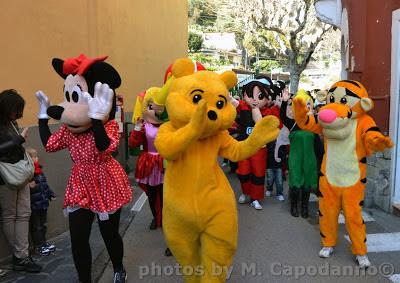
[[274, 176]]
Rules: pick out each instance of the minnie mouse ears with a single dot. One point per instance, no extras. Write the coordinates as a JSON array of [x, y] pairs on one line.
[[92, 69]]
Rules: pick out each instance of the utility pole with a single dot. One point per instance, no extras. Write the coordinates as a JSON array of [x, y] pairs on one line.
[[245, 61], [257, 63]]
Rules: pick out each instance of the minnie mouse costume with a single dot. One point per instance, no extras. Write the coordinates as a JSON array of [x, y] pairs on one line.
[[98, 185]]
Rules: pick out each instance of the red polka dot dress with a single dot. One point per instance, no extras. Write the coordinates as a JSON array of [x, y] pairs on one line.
[[97, 182]]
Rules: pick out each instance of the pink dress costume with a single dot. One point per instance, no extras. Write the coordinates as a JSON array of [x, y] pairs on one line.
[[149, 171], [97, 181]]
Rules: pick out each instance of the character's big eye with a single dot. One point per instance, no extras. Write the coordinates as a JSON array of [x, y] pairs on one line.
[[196, 98], [67, 96], [220, 104], [75, 96], [331, 99], [150, 107], [343, 100], [261, 96]]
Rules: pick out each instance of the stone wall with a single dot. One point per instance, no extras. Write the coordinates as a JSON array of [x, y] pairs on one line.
[[378, 193], [377, 190]]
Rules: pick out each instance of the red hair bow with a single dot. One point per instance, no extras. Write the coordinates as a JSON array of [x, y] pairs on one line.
[[80, 64]]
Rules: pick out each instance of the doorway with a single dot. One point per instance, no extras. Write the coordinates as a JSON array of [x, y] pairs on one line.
[[395, 108]]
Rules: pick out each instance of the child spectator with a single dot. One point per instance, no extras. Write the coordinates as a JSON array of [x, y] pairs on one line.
[[274, 170], [41, 194]]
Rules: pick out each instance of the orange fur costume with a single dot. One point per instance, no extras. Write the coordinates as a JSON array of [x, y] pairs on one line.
[[350, 135]]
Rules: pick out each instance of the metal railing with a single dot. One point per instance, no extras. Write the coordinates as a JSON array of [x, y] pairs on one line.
[[237, 90], [129, 152]]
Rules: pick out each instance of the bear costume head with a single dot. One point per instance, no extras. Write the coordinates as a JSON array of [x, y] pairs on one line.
[[189, 88]]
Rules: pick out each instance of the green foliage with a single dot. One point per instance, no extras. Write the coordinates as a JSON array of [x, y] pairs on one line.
[[202, 58], [304, 79], [210, 62], [285, 30], [254, 45], [195, 42], [268, 65], [202, 13]]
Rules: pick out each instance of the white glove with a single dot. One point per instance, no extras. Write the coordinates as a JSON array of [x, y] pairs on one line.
[[233, 101], [44, 103], [100, 105], [138, 125], [278, 101]]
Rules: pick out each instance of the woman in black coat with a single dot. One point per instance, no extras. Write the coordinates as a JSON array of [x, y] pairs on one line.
[[15, 203]]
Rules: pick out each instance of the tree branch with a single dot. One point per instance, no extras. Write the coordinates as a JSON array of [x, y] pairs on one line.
[[276, 29], [303, 23], [311, 49], [276, 50], [265, 27], [292, 42]]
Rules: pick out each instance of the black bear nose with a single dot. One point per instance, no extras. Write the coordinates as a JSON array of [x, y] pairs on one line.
[[55, 112], [212, 115]]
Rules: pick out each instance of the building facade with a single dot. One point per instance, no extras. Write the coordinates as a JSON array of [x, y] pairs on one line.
[[140, 39], [371, 54]]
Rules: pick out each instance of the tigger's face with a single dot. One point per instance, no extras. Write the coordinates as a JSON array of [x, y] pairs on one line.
[[345, 100]]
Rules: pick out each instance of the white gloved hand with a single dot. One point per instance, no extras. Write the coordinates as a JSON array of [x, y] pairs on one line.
[[233, 101], [44, 103], [100, 105], [138, 125]]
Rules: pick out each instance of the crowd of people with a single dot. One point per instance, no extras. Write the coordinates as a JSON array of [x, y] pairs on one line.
[[294, 149], [91, 135]]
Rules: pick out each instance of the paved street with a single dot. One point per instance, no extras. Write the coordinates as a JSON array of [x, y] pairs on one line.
[[273, 247], [80, 91], [59, 266]]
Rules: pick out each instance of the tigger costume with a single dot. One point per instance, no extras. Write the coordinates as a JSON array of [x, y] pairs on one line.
[[350, 136]]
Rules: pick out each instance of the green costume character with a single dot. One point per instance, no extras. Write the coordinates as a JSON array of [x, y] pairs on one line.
[[303, 160]]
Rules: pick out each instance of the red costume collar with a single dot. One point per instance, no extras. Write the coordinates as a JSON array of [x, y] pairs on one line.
[[38, 168]]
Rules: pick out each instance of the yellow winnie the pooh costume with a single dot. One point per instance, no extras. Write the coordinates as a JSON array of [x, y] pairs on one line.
[[199, 214]]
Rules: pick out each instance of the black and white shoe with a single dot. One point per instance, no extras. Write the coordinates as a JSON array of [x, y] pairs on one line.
[[42, 250], [256, 204], [120, 276], [363, 261], [326, 252], [50, 247]]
